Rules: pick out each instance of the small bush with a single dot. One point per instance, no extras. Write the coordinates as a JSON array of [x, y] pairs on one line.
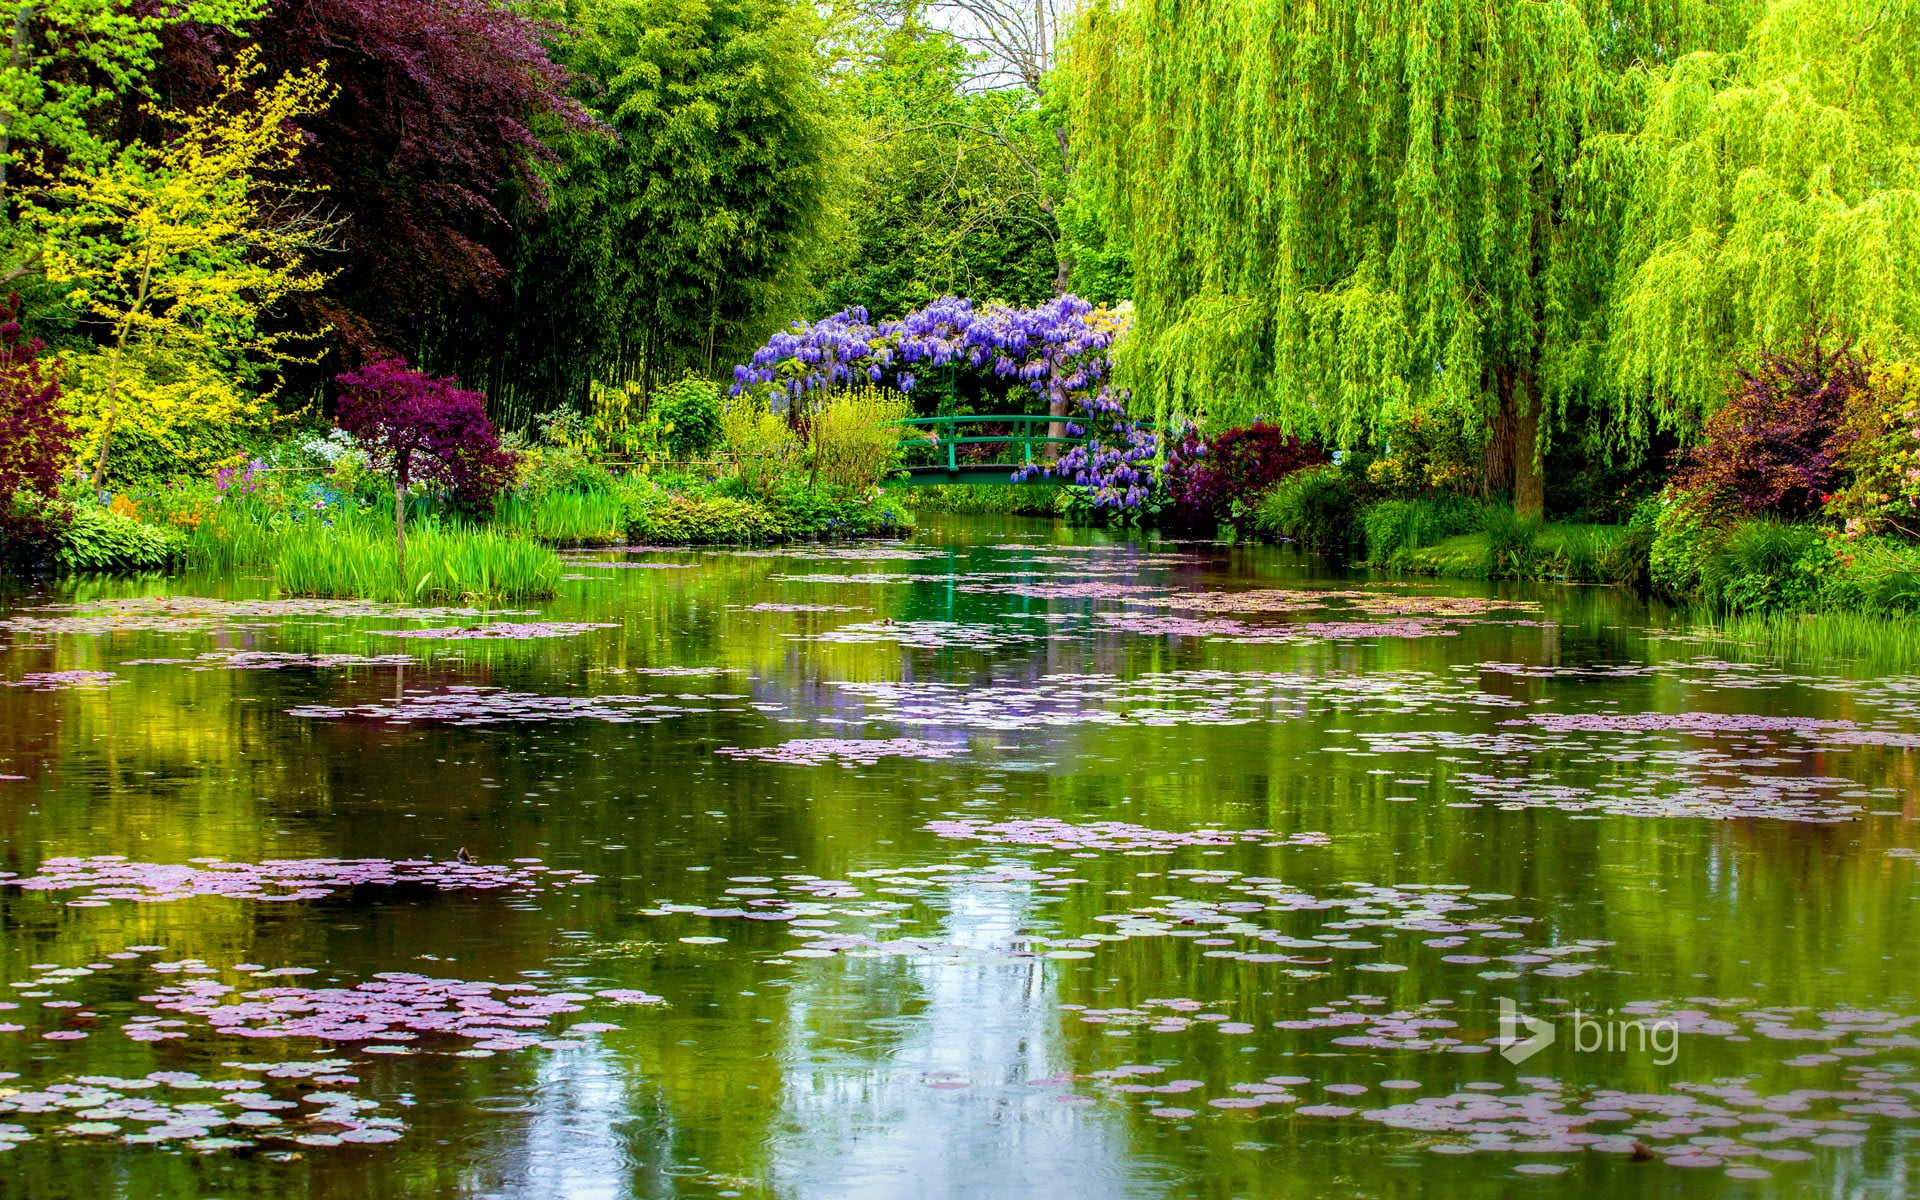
[[681, 519], [1878, 575], [1626, 559], [1314, 509], [1684, 537], [763, 446], [1767, 565], [1513, 544], [855, 436], [1221, 478], [1391, 527], [1776, 446], [97, 540], [691, 408]]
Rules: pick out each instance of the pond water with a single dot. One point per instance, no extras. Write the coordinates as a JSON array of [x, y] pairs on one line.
[[1012, 861]]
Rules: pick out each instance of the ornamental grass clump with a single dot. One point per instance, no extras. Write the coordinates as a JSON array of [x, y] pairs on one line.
[[449, 561]]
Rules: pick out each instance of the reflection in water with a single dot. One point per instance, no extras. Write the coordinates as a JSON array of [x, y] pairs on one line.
[[1276, 846], [953, 1098]]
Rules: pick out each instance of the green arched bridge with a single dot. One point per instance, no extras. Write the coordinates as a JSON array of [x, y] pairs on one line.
[[951, 465]]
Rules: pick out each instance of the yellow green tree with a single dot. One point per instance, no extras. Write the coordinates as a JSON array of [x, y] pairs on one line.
[[1338, 212], [178, 253], [64, 61], [1768, 190]]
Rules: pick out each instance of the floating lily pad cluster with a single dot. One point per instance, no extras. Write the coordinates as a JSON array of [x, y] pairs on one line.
[[1166, 698], [1057, 834], [273, 660], [108, 877], [203, 614], [514, 631], [472, 705], [846, 752], [64, 681]]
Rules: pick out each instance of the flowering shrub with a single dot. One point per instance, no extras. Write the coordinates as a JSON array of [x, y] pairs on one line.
[[1221, 478], [1777, 446], [1114, 466], [34, 441], [1057, 349], [1429, 451]]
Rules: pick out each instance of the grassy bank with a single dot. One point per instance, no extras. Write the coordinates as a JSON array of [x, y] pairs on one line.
[[972, 499]]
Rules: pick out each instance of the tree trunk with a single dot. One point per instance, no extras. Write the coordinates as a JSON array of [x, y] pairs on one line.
[[21, 22], [1529, 480], [113, 413], [1512, 468], [400, 528], [1056, 428]]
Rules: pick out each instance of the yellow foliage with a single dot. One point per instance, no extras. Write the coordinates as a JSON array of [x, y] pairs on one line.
[[181, 250]]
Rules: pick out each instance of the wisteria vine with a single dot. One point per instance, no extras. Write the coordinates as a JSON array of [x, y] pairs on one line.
[[1059, 349]]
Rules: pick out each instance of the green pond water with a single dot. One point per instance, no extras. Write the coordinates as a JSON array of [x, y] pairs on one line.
[[1010, 861]]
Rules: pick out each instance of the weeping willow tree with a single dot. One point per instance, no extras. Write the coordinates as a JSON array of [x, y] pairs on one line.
[[1338, 211], [1772, 190]]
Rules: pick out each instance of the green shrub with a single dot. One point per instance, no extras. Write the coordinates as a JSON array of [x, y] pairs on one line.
[[764, 447], [681, 519], [1315, 509], [1685, 536], [1627, 559], [1513, 544], [356, 560], [856, 437], [1391, 527], [837, 512], [1767, 565], [691, 407], [1879, 575], [549, 468], [98, 540]]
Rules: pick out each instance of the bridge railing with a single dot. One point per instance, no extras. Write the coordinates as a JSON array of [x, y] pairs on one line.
[[947, 437]]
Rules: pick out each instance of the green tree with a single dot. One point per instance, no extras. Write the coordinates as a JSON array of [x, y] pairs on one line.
[[1769, 190], [692, 230], [67, 60], [1335, 212], [178, 253], [956, 184]]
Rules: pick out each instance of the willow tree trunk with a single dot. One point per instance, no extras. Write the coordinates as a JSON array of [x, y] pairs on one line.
[[1529, 480], [1512, 469]]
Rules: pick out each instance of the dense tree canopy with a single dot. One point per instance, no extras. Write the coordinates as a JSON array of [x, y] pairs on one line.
[[437, 122], [1335, 212], [1768, 191], [688, 231], [955, 185]]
